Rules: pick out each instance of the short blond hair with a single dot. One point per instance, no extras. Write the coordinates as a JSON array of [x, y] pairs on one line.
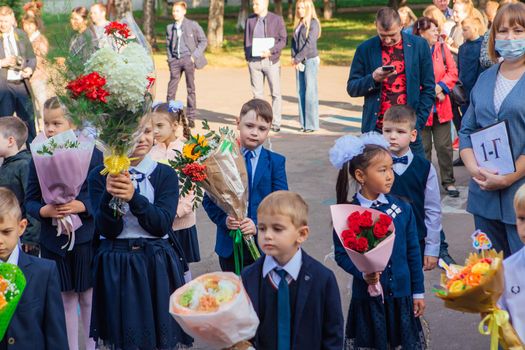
[[519, 198], [475, 23], [6, 11], [9, 206], [288, 204], [181, 4]]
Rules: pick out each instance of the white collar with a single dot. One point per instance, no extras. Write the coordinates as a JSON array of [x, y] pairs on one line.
[[293, 267], [367, 203], [256, 152], [146, 165], [13, 258], [408, 153], [9, 33], [34, 36]]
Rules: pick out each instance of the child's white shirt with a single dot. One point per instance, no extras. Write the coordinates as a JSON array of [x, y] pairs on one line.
[[13, 258], [513, 298], [432, 206]]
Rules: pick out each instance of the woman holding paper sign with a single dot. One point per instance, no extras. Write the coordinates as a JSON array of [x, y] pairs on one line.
[[498, 96], [305, 60]]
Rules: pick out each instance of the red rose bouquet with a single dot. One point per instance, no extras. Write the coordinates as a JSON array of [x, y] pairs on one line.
[[367, 236]]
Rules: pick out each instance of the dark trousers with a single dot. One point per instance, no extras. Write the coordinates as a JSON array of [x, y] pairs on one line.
[[177, 67], [457, 112], [14, 97], [440, 134], [504, 237]]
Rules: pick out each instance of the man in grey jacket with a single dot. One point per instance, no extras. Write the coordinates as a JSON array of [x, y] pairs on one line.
[[264, 24], [186, 43]]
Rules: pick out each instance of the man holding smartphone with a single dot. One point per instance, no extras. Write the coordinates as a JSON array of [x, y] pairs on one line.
[[391, 69]]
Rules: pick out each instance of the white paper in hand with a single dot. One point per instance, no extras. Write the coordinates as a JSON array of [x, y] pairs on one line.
[[259, 45], [491, 146]]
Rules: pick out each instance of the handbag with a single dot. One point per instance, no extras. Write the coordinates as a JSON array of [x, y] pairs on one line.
[[458, 95]]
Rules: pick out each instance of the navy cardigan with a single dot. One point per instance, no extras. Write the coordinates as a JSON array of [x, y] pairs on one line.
[[48, 232], [403, 275], [156, 218], [318, 319]]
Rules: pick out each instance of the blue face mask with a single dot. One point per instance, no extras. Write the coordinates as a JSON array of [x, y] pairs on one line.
[[510, 49]]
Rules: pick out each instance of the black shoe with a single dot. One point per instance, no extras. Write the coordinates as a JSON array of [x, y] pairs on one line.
[[308, 131], [458, 162], [276, 129], [191, 123], [452, 193]]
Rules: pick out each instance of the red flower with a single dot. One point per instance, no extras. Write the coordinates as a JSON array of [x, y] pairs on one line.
[[366, 219], [91, 86], [195, 171], [151, 81], [116, 28], [353, 221], [384, 220], [361, 245], [380, 230]]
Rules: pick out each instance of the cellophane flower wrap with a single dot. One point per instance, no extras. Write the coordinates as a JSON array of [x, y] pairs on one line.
[[368, 238], [12, 285], [213, 162], [62, 164], [110, 92], [476, 287], [215, 309]]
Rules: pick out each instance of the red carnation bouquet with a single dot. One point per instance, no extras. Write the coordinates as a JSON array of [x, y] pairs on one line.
[[367, 236]]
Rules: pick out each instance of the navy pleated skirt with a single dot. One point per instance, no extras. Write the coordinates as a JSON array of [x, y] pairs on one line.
[[74, 268], [373, 324], [189, 243], [133, 281]]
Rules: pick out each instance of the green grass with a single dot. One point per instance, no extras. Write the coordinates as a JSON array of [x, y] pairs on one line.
[[340, 37]]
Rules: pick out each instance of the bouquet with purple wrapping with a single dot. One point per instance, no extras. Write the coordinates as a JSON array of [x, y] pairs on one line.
[[62, 164]]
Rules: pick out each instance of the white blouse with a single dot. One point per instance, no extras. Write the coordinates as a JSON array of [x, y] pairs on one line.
[[503, 88]]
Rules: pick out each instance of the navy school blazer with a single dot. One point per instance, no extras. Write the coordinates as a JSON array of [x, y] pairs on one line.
[[48, 233], [419, 72], [403, 275], [270, 176], [156, 218], [39, 321], [318, 319]]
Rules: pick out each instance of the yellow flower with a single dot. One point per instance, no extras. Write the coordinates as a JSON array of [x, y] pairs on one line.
[[481, 268], [456, 286], [189, 149]]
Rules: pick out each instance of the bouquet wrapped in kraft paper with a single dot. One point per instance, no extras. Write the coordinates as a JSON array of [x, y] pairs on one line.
[[215, 309], [62, 164], [368, 237], [476, 288]]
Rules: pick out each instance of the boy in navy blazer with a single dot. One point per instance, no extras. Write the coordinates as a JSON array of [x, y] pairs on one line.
[[39, 321], [296, 298], [267, 173]]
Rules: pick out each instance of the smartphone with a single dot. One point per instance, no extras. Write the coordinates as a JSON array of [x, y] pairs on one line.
[[388, 68]]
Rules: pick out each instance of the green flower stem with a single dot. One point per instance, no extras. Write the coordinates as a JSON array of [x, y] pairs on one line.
[[252, 247], [238, 255]]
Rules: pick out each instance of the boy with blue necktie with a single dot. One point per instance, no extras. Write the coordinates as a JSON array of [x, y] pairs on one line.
[[416, 180], [266, 172], [39, 320], [296, 298]]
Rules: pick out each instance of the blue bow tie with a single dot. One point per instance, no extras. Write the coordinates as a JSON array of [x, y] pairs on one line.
[[402, 160]]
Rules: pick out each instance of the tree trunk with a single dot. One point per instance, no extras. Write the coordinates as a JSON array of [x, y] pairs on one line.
[[278, 7], [327, 9], [291, 11], [120, 8], [215, 24], [243, 14], [395, 4], [163, 6], [148, 22]]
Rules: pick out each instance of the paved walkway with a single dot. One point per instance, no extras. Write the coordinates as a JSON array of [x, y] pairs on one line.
[[220, 95]]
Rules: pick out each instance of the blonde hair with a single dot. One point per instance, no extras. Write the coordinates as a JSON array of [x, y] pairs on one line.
[[181, 4], [512, 14], [288, 204], [310, 15], [6, 11], [475, 22], [9, 206], [436, 14], [407, 11], [519, 198]]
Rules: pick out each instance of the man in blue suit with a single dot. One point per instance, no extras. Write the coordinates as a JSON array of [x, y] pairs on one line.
[[390, 69], [39, 320], [266, 172]]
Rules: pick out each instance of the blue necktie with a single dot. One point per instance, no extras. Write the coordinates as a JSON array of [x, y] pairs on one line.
[[248, 155], [137, 177], [283, 313], [402, 160]]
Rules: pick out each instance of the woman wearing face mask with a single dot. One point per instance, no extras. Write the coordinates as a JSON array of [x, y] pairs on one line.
[[497, 96]]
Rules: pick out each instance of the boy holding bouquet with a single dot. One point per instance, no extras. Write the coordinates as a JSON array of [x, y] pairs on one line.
[[266, 174], [39, 316], [296, 297]]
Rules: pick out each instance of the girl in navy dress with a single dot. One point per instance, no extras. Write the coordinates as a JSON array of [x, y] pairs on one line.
[[168, 122], [390, 321], [136, 268]]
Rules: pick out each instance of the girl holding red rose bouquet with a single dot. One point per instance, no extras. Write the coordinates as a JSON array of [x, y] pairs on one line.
[[390, 320], [171, 131]]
